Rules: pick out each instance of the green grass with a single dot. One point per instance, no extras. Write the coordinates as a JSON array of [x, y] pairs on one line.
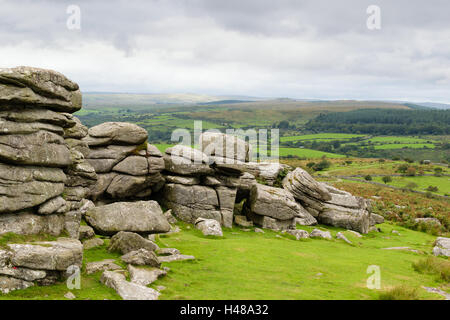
[[307, 153], [322, 137], [443, 183], [398, 139], [163, 146], [249, 265], [405, 145]]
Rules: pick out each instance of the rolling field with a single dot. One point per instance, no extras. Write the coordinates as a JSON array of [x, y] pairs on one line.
[[422, 182], [307, 153], [322, 137]]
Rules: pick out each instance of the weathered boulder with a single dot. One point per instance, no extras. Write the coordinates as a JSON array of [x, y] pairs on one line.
[[274, 202], [144, 276], [86, 232], [28, 223], [92, 243], [428, 221], [104, 265], [184, 160], [57, 204], [34, 87], [209, 227], [47, 255], [341, 236], [122, 133], [132, 165], [316, 233], [25, 187], [42, 148], [376, 219], [225, 146], [442, 247], [301, 185], [141, 257], [191, 202], [327, 204], [299, 234], [128, 290], [139, 216], [125, 242], [78, 131], [267, 222], [8, 284]]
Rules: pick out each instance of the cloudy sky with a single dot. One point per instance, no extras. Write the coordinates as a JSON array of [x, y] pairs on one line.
[[286, 48]]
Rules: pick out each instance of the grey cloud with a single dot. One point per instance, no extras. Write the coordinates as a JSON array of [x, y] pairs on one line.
[[312, 48]]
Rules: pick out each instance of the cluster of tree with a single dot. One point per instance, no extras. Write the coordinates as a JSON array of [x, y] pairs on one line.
[[383, 122]]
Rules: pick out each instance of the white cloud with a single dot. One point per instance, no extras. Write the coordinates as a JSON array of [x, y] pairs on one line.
[[302, 49]]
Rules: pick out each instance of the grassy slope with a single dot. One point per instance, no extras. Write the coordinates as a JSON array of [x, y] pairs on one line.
[[443, 183], [248, 265]]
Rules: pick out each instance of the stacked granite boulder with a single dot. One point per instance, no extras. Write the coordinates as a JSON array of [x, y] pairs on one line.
[[127, 166], [196, 189], [327, 204], [35, 112]]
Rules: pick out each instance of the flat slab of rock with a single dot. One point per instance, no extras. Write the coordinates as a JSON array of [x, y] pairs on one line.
[[273, 202], [175, 257], [8, 284], [341, 236], [140, 216], [402, 249], [116, 133], [316, 233], [144, 276], [92, 243], [209, 227], [128, 290], [24, 187], [300, 183], [141, 257], [35, 87], [28, 223], [271, 223], [299, 234], [104, 265], [47, 255], [125, 242]]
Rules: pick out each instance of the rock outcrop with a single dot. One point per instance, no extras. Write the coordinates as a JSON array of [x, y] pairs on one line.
[[126, 165], [141, 217], [327, 204], [36, 164]]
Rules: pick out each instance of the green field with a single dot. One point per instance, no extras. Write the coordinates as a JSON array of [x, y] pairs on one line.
[[307, 153], [422, 182], [398, 139], [405, 145], [249, 265], [322, 137]]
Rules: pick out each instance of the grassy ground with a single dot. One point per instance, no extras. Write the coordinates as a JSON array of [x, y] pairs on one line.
[[321, 137], [307, 153], [249, 265], [422, 182]]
